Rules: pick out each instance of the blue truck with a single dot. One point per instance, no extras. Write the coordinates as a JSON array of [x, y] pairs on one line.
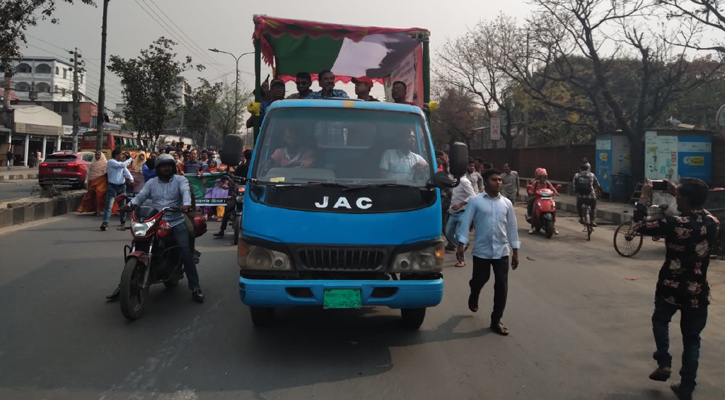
[[342, 209]]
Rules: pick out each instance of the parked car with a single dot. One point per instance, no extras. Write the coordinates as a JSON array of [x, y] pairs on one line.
[[65, 169]]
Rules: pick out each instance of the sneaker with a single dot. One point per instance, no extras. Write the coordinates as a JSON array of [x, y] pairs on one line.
[[115, 295], [197, 295], [594, 224], [104, 226], [531, 231], [556, 231], [677, 388], [661, 374]]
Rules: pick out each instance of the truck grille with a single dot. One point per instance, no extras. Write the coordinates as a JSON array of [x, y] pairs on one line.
[[342, 259]]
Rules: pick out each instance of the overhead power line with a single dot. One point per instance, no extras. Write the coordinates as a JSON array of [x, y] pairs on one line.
[[166, 27]]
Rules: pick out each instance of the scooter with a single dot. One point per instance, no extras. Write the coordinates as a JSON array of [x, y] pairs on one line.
[[152, 258], [544, 211]]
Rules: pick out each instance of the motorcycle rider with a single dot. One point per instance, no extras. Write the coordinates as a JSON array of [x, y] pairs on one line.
[[539, 183], [171, 190], [241, 171]]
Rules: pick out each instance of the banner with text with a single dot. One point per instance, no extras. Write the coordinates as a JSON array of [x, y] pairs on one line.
[[210, 189]]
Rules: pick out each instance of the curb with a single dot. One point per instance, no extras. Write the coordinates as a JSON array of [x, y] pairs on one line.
[[18, 214], [611, 216], [13, 177]]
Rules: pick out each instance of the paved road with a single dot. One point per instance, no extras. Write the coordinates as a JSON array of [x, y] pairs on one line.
[[17, 189], [579, 330]]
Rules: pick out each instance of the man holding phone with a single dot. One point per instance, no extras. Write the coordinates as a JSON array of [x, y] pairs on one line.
[[682, 284]]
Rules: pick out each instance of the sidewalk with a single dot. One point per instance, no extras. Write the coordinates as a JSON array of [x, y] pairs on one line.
[[612, 212], [19, 172]]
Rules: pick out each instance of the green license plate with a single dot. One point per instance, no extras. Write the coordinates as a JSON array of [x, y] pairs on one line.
[[342, 298]]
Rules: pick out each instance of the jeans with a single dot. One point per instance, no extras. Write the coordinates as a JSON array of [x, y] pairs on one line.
[[692, 322], [453, 226], [186, 242], [10, 163], [481, 275], [111, 193], [592, 202]]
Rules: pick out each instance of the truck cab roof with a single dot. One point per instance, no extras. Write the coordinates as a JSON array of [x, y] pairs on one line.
[[345, 103]]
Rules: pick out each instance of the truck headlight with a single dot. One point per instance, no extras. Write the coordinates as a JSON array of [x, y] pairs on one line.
[[261, 259], [430, 259]]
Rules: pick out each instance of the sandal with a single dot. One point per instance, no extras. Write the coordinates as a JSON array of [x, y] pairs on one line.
[[500, 329], [460, 264]]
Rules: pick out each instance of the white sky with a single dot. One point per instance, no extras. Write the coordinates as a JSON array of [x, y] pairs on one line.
[[227, 25]]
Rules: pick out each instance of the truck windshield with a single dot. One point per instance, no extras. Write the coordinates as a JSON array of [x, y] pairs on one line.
[[351, 147]]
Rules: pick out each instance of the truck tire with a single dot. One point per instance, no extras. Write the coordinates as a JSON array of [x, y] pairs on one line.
[[412, 317], [262, 316]]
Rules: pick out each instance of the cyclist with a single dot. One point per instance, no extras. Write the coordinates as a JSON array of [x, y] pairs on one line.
[[584, 184]]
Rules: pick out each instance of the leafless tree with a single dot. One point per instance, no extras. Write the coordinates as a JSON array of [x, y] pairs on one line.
[[583, 44], [708, 13], [477, 61]]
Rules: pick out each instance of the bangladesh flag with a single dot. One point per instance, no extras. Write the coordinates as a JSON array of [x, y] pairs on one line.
[[374, 56]]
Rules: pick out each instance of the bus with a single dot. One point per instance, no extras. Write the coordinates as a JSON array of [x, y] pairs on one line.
[[113, 140]]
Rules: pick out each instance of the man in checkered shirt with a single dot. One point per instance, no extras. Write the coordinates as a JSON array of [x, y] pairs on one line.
[[584, 184]]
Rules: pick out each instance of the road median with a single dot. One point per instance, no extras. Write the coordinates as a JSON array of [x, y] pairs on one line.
[[31, 209], [10, 176]]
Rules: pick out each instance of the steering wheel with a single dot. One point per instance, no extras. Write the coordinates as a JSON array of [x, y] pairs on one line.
[[293, 164]]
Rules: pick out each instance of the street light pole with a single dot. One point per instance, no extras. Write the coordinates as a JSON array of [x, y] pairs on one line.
[[236, 83]]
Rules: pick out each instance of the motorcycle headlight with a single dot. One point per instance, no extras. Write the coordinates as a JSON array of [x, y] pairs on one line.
[[430, 259], [141, 228], [240, 199], [261, 259]]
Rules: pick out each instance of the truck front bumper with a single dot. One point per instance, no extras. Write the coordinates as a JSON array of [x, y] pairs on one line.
[[289, 293]]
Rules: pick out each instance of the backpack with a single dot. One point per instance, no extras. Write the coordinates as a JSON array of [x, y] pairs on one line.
[[583, 184]]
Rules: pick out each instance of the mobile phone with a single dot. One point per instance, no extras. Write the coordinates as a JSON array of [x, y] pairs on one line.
[[659, 185]]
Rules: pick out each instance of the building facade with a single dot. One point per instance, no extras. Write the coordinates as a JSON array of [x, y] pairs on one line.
[[48, 78]]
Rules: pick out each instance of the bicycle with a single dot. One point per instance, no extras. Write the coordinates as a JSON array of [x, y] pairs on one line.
[[588, 225], [627, 240]]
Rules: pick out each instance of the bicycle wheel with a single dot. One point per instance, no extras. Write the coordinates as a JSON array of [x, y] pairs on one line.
[[588, 222], [627, 241]]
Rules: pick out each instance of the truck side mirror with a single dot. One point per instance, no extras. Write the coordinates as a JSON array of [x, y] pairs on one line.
[[443, 181], [458, 158], [232, 150]]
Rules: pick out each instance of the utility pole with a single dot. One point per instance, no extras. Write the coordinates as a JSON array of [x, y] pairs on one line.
[[76, 97], [102, 83], [236, 86]]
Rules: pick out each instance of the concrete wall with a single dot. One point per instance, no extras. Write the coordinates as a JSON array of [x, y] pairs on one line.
[[22, 213]]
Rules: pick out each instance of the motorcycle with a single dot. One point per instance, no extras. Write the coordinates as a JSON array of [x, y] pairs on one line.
[[544, 211], [152, 258]]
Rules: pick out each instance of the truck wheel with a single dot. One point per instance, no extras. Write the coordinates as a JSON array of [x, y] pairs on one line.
[[262, 316], [412, 317]]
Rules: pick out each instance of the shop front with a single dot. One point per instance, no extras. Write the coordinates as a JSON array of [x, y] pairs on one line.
[[34, 129]]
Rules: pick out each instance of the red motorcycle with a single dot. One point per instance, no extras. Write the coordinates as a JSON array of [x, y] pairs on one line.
[[543, 214], [153, 257]]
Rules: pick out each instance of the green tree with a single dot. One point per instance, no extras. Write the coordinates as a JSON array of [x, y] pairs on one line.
[[201, 103], [152, 86], [15, 18], [230, 109]]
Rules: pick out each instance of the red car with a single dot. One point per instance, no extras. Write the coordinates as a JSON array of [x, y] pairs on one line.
[[65, 169]]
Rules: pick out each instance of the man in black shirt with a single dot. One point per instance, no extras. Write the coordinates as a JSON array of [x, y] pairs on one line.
[[241, 171]]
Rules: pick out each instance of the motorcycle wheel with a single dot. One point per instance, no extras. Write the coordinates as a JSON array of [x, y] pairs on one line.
[[549, 229], [132, 296], [237, 227]]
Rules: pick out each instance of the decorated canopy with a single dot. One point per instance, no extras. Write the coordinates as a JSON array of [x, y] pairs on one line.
[[292, 46]]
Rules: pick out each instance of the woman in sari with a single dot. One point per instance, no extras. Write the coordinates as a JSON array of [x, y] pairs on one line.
[[179, 164], [96, 182], [137, 169]]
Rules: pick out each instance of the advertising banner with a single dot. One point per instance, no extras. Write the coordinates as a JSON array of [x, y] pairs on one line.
[[211, 189]]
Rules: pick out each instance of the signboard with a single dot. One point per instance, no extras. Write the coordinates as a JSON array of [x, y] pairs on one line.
[[495, 129], [208, 189], [720, 120], [34, 129]]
